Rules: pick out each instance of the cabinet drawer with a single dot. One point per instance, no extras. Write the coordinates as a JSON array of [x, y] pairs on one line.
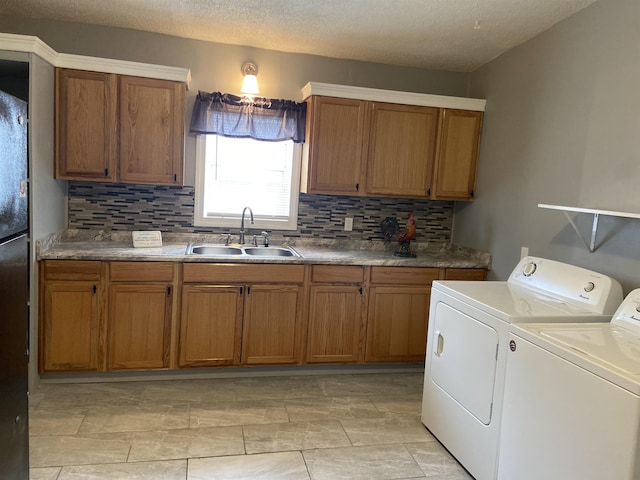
[[337, 274], [465, 274], [141, 271], [240, 273], [72, 270], [403, 275]]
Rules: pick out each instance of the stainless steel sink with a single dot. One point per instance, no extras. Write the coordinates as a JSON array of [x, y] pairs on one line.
[[270, 251], [214, 250], [229, 251]]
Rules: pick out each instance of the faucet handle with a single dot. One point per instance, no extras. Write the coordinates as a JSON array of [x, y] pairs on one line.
[[228, 240], [265, 238], [255, 240]]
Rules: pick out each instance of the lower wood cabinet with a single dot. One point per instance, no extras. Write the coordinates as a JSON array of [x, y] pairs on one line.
[[109, 316], [272, 324], [139, 326], [398, 313], [335, 315], [249, 314], [70, 316], [210, 325], [139, 320]]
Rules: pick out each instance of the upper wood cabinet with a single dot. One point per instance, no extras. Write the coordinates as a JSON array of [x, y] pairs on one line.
[[357, 147], [86, 125], [335, 141], [113, 128], [151, 130], [457, 160], [401, 150]]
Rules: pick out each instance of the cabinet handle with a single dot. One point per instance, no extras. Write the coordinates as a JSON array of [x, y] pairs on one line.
[[428, 192], [106, 172], [357, 187], [471, 193], [175, 177], [360, 290], [168, 290], [248, 290], [241, 290], [95, 289]]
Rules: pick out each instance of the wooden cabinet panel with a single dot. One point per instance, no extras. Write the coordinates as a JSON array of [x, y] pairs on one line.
[[86, 125], [142, 271], [151, 130], [210, 325], [401, 150], [70, 326], [72, 270], [337, 274], [336, 137], [272, 324], [139, 326], [397, 326], [465, 274], [403, 275], [456, 164], [334, 324], [219, 273]]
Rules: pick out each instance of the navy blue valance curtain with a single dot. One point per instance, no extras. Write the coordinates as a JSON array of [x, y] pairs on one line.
[[259, 118]]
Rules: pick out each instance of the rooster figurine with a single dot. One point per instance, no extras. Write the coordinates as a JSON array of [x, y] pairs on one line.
[[392, 232]]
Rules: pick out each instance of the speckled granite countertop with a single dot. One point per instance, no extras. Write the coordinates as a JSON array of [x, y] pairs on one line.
[[118, 246]]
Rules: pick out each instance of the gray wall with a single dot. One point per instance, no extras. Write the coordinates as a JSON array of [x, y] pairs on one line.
[[562, 126], [48, 197], [216, 67]]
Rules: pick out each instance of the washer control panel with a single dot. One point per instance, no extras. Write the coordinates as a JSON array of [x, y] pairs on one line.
[[628, 313]]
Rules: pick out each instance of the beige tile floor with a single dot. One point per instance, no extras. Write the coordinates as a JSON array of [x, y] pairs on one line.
[[325, 427]]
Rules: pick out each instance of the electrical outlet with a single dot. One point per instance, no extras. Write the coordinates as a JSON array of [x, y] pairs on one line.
[[348, 224], [524, 252]]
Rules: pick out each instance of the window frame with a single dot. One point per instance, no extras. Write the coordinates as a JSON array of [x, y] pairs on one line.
[[233, 220]]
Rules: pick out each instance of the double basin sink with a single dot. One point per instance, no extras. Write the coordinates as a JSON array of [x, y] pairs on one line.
[[240, 251]]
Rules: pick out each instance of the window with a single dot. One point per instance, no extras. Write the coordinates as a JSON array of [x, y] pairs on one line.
[[233, 173]]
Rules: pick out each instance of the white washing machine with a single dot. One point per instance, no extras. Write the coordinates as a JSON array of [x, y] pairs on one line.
[[572, 400], [467, 346]]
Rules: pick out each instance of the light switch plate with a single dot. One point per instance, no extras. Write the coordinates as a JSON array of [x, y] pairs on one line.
[[146, 239]]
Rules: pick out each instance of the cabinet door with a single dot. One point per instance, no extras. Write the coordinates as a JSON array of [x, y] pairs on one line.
[[86, 125], [336, 133], [397, 324], [272, 324], [70, 327], [401, 150], [334, 324], [151, 131], [210, 325], [139, 326], [455, 169]]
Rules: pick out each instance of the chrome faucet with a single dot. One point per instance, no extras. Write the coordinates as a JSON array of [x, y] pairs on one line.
[[241, 240]]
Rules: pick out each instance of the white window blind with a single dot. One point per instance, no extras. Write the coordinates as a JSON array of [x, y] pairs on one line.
[[234, 173]]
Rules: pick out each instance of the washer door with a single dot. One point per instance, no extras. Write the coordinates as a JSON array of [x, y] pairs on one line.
[[464, 359]]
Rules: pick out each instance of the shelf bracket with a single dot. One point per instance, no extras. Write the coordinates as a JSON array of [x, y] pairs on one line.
[[591, 245], [596, 216]]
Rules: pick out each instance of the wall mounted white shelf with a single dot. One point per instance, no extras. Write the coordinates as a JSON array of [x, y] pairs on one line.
[[591, 245]]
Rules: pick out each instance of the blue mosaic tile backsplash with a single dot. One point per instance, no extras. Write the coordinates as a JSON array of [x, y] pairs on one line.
[[107, 206]]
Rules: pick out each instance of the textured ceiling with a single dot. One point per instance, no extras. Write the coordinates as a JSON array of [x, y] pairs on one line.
[[457, 35]]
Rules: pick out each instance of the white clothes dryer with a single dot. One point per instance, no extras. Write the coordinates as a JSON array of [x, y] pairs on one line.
[[572, 400], [467, 344]]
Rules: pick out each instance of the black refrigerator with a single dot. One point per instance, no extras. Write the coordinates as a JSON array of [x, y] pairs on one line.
[[14, 289]]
